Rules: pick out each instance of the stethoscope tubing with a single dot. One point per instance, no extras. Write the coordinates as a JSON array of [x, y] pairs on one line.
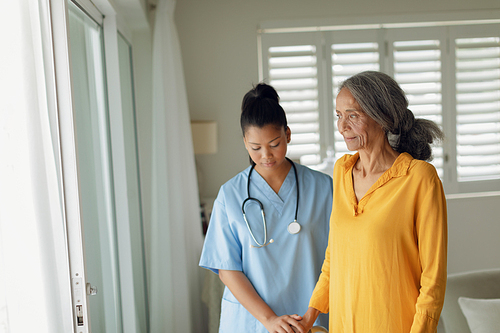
[[264, 224], [263, 221]]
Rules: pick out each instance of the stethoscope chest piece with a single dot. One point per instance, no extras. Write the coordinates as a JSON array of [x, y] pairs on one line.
[[294, 228]]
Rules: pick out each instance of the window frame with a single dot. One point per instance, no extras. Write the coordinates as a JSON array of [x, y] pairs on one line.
[[446, 31]]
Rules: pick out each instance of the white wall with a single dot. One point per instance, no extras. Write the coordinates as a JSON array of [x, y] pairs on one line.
[[473, 233], [219, 49]]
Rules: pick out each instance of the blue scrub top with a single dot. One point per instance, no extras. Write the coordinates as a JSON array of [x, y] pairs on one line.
[[284, 272]]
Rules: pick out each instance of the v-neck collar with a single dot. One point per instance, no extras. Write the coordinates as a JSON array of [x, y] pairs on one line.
[[398, 169], [278, 200]]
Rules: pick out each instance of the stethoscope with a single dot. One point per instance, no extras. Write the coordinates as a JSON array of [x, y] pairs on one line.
[[293, 228]]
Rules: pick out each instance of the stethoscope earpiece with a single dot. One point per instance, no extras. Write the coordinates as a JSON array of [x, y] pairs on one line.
[[293, 228]]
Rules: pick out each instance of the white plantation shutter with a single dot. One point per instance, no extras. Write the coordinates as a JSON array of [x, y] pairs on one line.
[[417, 69], [478, 108], [347, 60], [293, 73], [450, 74], [290, 64]]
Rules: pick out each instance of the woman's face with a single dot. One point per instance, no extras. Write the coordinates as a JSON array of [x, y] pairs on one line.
[[359, 130], [267, 146]]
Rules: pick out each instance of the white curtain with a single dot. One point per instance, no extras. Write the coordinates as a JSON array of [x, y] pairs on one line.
[[34, 268], [176, 234]]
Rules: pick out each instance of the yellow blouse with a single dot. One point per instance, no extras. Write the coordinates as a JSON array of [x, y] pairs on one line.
[[385, 265]]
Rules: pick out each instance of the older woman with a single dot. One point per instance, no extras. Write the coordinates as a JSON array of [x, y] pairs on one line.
[[385, 265]]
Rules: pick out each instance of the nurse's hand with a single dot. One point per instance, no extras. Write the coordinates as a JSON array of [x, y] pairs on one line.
[[245, 293], [285, 324]]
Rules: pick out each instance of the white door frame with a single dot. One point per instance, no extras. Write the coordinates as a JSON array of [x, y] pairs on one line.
[[69, 167]]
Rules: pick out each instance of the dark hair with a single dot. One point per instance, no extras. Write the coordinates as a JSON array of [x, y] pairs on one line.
[[260, 107], [381, 98]]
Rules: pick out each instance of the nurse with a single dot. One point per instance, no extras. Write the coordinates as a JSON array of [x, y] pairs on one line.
[[268, 262]]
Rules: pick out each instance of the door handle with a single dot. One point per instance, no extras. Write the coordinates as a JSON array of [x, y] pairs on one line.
[[91, 290]]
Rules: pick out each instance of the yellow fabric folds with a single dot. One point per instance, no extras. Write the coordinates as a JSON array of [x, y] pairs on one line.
[[385, 265]]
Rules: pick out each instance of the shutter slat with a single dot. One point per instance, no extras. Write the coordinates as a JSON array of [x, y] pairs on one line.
[[354, 47], [478, 76], [419, 78], [423, 88], [487, 96], [478, 86], [308, 138], [353, 58], [291, 62], [479, 118], [480, 139], [342, 72], [481, 42], [298, 84], [304, 127], [480, 53], [488, 160], [424, 66], [487, 64], [291, 73], [426, 110], [299, 117], [299, 106], [291, 50], [298, 95], [478, 150], [478, 172], [424, 99], [296, 151], [478, 108], [464, 129], [417, 56], [279, 55]]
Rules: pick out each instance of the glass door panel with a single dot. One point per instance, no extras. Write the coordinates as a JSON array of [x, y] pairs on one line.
[[133, 183], [95, 172]]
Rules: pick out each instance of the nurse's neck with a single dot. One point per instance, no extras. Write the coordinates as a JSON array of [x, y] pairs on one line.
[[275, 177]]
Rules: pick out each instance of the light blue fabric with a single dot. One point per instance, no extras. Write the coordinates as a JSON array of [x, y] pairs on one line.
[[285, 272]]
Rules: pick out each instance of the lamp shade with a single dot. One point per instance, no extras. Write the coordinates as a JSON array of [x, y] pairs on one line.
[[204, 136]]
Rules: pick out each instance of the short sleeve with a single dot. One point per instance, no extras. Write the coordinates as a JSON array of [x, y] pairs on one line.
[[222, 249]]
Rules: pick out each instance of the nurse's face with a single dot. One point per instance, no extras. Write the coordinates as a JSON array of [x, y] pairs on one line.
[[359, 130], [267, 146]]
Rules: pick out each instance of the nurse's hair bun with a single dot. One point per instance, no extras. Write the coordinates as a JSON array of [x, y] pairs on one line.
[[262, 91], [260, 107]]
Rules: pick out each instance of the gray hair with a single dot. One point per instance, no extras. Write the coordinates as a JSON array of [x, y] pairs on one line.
[[381, 98]]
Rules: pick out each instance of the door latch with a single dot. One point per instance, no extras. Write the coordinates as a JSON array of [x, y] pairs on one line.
[[79, 315]]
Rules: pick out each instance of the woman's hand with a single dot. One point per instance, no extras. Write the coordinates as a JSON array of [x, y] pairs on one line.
[[309, 318], [285, 324]]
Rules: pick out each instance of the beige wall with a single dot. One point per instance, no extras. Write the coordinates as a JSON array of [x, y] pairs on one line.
[[219, 49]]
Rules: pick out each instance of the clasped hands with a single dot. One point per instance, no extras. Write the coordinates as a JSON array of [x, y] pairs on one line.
[[292, 323]]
